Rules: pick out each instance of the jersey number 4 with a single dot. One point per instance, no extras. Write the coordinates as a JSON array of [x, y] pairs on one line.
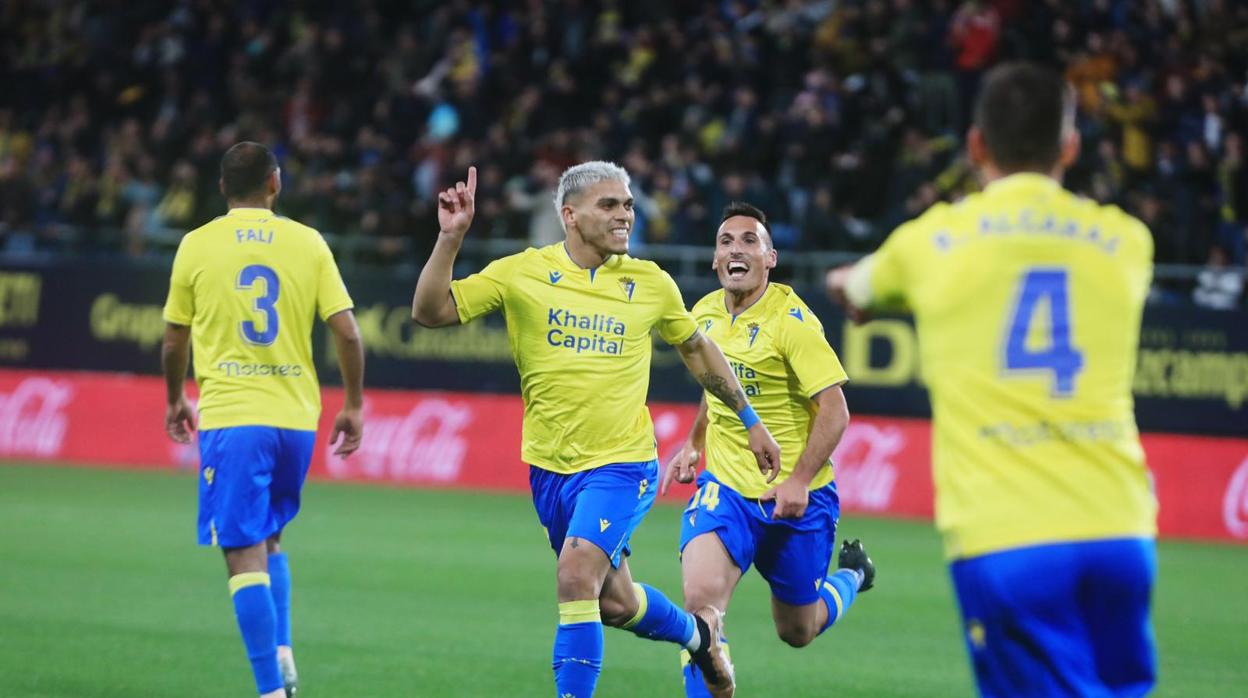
[[1059, 358], [265, 303]]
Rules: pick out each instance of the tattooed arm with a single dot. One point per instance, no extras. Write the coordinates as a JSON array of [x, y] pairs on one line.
[[707, 364]]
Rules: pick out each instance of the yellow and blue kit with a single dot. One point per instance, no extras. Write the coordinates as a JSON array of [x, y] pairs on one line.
[[250, 284], [778, 351], [1027, 301], [582, 344]]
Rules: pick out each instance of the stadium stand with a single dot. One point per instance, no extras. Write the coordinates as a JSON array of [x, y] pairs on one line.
[[841, 119]]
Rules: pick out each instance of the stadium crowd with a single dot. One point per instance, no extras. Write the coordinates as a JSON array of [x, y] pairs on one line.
[[839, 118]]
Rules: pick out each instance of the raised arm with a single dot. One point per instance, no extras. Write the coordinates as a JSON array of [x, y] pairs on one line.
[[707, 364], [432, 304]]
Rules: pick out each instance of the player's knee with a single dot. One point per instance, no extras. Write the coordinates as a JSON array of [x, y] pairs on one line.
[[575, 583], [698, 594], [795, 635], [616, 612]]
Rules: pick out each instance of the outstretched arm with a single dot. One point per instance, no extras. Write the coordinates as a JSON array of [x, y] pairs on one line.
[[432, 304], [707, 364]]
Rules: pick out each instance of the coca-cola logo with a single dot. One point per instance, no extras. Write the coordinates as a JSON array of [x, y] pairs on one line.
[[865, 472], [425, 445], [33, 420], [1235, 502]]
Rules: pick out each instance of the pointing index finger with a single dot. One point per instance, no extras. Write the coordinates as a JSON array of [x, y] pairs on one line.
[[472, 181]]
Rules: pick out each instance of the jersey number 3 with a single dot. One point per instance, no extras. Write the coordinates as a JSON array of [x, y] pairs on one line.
[[265, 303], [1059, 357]]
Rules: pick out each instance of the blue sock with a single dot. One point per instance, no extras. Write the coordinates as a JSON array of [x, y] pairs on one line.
[[279, 584], [578, 649], [838, 592], [253, 605], [659, 619]]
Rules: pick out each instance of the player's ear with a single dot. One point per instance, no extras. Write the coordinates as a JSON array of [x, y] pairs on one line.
[[275, 182], [771, 257], [568, 216], [976, 148], [1070, 148], [221, 186]]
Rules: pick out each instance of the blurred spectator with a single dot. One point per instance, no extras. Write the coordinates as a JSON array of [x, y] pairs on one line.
[[1218, 286], [841, 119]]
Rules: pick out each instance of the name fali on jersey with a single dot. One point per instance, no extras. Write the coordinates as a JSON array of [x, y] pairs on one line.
[[253, 235], [746, 375], [597, 333]]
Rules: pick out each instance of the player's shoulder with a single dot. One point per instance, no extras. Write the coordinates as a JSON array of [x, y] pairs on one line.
[[791, 309], [302, 233], [529, 256], [632, 265], [1114, 221], [710, 303], [206, 229], [938, 217]]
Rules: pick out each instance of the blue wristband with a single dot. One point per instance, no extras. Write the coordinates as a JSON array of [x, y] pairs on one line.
[[748, 416]]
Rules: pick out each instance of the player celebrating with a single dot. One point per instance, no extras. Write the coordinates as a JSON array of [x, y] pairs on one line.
[[245, 287], [579, 315], [778, 350], [1027, 301]]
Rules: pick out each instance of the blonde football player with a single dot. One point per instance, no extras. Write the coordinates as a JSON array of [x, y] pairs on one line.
[[579, 315]]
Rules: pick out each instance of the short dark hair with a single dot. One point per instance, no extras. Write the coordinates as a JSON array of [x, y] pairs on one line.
[[740, 208], [245, 168], [1022, 110]]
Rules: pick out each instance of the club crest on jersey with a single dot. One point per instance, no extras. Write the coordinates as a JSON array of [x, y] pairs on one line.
[[556, 277], [753, 332], [797, 313], [628, 286]]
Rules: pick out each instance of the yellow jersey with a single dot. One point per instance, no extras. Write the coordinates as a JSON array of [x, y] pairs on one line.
[[1027, 302], [581, 341], [249, 284], [778, 351]]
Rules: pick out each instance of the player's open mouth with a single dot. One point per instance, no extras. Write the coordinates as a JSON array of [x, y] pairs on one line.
[[737, 270]]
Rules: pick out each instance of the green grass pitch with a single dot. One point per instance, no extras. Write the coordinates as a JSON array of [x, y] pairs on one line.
[[428, 593]]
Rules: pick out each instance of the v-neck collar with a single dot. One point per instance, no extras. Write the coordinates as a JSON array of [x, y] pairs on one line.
[[732, 319]]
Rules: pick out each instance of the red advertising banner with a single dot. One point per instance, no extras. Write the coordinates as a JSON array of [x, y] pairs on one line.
[[469, 440]]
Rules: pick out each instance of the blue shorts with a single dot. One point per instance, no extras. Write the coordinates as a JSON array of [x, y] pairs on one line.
[[602, 505], [249, 484], [792, 554], [1069, 619]]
